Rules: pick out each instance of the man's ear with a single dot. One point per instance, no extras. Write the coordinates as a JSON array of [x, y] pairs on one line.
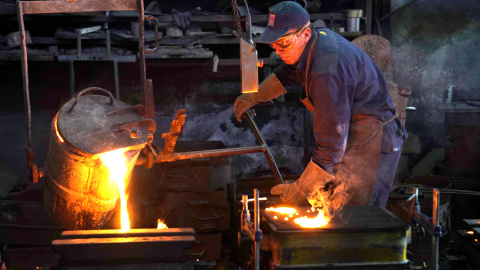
[[308, 34]]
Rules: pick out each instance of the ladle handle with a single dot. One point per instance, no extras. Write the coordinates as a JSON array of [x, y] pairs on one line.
[[81, 93]]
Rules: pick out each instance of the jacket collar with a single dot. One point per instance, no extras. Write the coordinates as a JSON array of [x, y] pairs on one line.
[[302, 62]]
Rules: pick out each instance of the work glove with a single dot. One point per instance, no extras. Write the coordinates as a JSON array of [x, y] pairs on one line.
[[269, 89], [182, 19], [313, 177]]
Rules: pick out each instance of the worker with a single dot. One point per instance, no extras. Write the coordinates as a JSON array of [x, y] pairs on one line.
[[358, 137]]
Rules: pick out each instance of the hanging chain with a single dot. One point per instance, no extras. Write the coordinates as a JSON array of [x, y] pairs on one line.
[[236, 14]]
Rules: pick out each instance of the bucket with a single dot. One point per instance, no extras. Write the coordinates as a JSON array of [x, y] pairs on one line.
[[79, 190]]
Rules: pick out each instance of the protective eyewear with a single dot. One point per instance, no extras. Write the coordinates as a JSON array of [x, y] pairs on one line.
[[289, 40]]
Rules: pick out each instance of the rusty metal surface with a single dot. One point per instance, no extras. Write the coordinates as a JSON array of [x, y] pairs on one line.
[[39, 7], [249, 67], [85, 234], [74, 197], [144, 248], [85, 123], [378, 48]]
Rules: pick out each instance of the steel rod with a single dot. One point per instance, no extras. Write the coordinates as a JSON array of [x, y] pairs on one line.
[[208, 153], [453, 191], [435, 221], [256, 221], [261, 141]]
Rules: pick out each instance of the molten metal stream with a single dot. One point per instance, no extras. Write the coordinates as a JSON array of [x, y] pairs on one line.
[[117, 164]]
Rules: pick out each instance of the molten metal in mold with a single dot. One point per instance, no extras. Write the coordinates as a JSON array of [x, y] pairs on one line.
[[310, 220]]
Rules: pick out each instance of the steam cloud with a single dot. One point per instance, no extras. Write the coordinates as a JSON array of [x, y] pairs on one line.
[[330, 197]]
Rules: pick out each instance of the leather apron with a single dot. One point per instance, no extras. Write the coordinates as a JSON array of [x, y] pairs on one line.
[[358, 168]]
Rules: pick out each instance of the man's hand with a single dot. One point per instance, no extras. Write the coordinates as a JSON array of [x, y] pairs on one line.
[[242, 104], [269, 89], [297, 192], [290, 193]]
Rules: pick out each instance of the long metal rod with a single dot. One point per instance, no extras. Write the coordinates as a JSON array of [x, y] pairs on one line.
[[453, 191], [256, 222], [261, 141], [208, 153], [26, 92], [436, 222]]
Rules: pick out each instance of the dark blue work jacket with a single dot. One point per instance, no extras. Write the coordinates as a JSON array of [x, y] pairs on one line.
[[342, 80]]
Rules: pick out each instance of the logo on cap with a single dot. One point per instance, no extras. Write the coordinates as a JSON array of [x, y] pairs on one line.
[[271, 20]]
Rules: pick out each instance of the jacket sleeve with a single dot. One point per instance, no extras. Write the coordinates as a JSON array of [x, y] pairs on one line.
[[331, 118]]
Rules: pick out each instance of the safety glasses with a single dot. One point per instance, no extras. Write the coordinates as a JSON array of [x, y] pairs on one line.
[[289, 40]]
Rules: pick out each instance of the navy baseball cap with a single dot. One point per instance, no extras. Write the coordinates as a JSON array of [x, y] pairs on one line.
[[283, 17]]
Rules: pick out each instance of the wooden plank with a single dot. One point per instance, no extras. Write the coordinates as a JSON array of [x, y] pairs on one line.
[[72, 6]]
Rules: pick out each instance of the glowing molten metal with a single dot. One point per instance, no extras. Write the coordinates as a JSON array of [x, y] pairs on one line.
[[318, 221], [161, 225], [56, 129], [117, 164]]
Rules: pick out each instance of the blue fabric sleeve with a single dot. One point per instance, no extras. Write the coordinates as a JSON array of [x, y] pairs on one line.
[[331, 118]]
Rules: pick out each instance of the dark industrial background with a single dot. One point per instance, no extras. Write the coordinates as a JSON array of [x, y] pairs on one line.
[[435, 48]]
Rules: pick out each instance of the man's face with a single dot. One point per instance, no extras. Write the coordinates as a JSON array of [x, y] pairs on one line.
[[290, 47]]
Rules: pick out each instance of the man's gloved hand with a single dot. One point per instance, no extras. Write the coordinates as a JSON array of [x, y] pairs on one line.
[[182, 19], [297, 192], [269, 89]]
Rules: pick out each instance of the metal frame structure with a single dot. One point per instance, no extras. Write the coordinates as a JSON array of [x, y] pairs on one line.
[[66, 6], [167, 155]]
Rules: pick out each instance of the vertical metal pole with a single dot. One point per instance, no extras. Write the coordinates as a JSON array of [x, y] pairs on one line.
[[115, 77], [26, 91], [257, 227], [436, 222], [79, 44], [141, 49], [71, 68], [368, 22]]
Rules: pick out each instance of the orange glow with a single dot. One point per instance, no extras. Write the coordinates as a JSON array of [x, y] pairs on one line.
[[117, 164], [476, 240], [469, 232], [161, 225], [319, 221], [283, 210], [306, 222], [254, 90], [56, 130]]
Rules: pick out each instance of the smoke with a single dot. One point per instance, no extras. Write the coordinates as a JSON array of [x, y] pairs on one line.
[[329, 197]]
